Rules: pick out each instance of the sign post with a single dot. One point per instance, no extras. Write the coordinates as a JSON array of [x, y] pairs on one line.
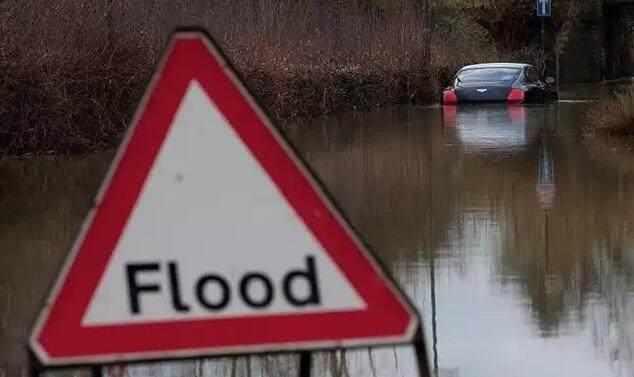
[[544, 10], [210, 237]]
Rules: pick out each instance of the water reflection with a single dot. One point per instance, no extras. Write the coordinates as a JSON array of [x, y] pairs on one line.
[[513, 240], [492, 127], [511, 215], [41, 203], [546, 188]]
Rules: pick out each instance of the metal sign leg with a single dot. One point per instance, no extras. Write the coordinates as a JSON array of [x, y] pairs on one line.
[[35, 368], [96, 371], [420, 352], [305, 364]]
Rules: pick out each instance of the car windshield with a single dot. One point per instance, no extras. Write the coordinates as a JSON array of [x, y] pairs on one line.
[[506, 75]]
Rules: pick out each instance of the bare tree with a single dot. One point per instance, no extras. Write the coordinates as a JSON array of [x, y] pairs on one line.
[[507, 21], [564, 31]]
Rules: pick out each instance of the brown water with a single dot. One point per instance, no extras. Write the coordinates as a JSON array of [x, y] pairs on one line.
[[514, 239]]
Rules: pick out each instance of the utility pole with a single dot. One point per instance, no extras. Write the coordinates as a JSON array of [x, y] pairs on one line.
[[543, 38]]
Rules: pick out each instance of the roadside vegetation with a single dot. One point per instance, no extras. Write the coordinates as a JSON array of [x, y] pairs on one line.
[[72, 71], [613, 116], [608, 130]]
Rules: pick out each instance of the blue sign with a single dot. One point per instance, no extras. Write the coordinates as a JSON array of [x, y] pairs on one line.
[[544, 8]]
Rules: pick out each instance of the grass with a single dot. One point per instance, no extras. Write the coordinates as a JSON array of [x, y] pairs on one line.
[[613, 116], [74, 70]]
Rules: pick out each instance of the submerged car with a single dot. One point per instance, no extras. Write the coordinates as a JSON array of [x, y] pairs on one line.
[[498, 82]]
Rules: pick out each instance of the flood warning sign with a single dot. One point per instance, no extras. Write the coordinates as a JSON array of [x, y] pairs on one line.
[[210, 237]]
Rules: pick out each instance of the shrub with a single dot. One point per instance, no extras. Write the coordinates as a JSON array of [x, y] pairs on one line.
[[73, 70], [613, 115]]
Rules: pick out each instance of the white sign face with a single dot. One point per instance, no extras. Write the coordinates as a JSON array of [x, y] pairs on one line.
[[209, 237], [241, 252]]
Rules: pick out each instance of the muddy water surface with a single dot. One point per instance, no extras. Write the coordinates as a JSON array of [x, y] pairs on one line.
[[514, 239]]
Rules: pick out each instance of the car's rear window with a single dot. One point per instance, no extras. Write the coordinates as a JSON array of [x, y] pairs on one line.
[[489, 75]]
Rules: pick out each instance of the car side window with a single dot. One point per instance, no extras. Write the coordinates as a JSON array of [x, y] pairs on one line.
[[531, 75]]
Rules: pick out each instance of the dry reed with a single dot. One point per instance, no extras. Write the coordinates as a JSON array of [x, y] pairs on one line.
[[73, 70], [612, 116]]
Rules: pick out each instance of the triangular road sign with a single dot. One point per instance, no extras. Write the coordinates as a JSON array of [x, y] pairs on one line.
[[209, 237]]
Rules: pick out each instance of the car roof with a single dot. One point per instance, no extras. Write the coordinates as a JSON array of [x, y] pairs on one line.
[[495, 65]]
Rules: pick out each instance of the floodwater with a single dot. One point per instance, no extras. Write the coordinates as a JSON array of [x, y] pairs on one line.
[[514, 239]]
